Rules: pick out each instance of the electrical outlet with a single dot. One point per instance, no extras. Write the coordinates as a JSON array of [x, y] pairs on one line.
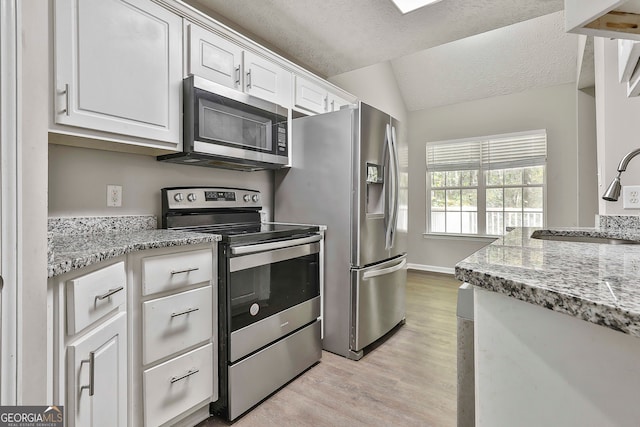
[[631, 196], [114, 196]]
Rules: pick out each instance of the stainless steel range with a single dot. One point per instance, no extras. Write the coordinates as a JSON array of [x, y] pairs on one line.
[[268, 291]]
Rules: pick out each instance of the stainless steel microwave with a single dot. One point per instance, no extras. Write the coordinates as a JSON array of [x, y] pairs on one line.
[[230, 129]]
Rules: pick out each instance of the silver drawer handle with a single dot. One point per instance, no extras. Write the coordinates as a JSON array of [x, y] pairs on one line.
[[109, 293], [187, 375], [91, 362], [182, 313], [186, 270]]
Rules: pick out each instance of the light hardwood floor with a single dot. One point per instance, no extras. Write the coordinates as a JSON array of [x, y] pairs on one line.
[[409, 379]]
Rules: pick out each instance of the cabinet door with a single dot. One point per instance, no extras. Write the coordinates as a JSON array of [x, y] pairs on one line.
[[266, 80], [213, 57], [335, 102], [97, 376], [118, 67], [310, 96]]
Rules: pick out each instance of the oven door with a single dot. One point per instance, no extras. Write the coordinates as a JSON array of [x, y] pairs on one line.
[[272, 290]]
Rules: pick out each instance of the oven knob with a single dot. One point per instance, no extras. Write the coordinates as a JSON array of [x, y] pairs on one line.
[[255, 198], [192, 197], [246, 198], [178, 197]]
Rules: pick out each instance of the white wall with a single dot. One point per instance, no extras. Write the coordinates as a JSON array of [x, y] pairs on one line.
[[618, 125], [553, 109], [375, 85], [78, 179]]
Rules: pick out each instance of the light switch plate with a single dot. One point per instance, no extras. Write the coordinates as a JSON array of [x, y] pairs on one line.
[[631, 196]]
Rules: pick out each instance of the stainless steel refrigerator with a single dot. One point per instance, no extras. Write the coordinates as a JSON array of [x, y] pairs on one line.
[[350, 173]]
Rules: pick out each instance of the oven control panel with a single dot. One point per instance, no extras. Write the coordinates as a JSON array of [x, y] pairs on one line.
[[210, 198]]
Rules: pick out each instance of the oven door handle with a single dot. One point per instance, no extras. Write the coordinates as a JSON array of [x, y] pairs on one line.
[[258, 259], [261, 247]]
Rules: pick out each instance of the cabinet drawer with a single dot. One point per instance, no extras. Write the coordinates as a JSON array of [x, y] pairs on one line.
[[168, 272], [173, 387], [173, 323], [93, 295]]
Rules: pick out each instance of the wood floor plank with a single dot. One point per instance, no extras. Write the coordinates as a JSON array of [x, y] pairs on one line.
[[409, 379]]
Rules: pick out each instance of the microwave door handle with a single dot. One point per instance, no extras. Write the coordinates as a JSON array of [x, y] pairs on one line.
[[388, 210]]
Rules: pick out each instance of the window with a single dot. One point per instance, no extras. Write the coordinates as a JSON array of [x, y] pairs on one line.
[[481, 186]]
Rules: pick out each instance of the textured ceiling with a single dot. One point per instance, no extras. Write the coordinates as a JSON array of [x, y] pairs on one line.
[[531, 54], [448, 52]]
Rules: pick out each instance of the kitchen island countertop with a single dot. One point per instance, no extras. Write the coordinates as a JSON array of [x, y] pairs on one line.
[[595, 282], [109, 237]]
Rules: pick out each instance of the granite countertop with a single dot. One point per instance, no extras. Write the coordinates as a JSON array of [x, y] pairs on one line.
[[595, 282], [79, 242]]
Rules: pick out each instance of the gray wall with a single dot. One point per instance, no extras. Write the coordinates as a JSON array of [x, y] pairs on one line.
[[617, 123], [375, 85], [553, 109], [78, 179], [568, 116]]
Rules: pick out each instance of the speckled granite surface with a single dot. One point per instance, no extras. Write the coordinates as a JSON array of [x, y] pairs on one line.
[[101, 224], [76, 250], [598, 283]]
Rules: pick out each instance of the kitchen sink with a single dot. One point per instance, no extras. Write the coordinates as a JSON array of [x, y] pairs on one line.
[[583, 239]]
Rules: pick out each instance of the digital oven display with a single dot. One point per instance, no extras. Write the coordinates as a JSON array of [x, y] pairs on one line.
[[226, 196]]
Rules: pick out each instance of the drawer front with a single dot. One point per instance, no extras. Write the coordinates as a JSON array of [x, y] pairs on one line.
[[174, 387], [173, 323], [92, 296], [168, 272]]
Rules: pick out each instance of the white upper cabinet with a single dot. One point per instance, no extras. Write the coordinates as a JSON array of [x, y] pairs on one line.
[[266, 80], [118, 68], [310, 96], [213, 57], [315, 97], [618, 19], [223, 61]]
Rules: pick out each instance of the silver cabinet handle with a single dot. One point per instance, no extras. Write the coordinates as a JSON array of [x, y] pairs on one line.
[[249, 79], [326, 103], [186, 270], [238, 75], [91, 361], [187, 375], [182, 313], [109, 293], [66, 100]]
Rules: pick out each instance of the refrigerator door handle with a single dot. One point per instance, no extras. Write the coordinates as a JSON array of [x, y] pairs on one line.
[[383, 271], [396, 180], [388, 211]]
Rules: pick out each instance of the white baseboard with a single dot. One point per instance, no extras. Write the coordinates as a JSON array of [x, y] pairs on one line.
[[431, 268]]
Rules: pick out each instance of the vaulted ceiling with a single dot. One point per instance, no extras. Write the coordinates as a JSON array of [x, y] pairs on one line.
[[449, 52]]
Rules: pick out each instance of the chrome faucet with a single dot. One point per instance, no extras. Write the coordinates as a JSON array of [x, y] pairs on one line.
[[613, 191]]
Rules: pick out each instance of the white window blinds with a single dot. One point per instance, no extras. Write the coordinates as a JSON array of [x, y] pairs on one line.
[[493, 152]]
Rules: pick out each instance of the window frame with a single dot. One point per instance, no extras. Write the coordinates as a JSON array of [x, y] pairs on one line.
[[482, 189]]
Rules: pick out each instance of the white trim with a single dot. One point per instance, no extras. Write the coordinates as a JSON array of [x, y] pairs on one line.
[[431, 268], [9, 133]]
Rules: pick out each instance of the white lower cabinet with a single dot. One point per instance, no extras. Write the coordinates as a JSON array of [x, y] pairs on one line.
[[178, 385], [134, 339], [173, 326], [97, 376], [89, 345]]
